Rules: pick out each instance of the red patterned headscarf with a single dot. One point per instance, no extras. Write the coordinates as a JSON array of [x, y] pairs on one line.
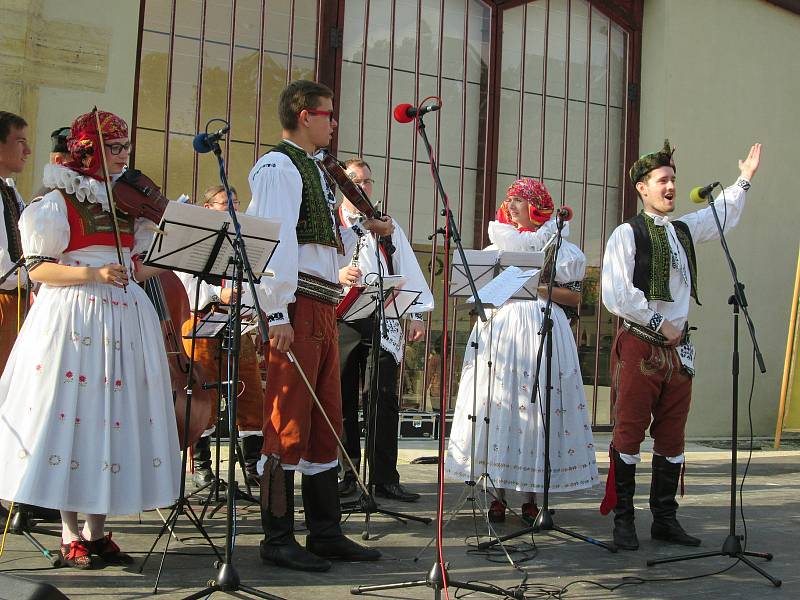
[[83, 140], [540, 204]]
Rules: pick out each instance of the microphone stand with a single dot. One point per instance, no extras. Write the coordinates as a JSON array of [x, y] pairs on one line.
[[544, 520], [437, 577], [227, 579], [732, 546], [366, 503]]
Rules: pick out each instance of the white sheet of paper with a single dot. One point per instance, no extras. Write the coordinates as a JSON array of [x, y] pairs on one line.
[[501, 288], [187, 248]]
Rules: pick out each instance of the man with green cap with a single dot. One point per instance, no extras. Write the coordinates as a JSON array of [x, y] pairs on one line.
[[649, 276]]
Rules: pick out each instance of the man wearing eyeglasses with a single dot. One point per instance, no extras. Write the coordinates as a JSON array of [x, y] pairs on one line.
[[355, 343], [288, 186], [216, 294]]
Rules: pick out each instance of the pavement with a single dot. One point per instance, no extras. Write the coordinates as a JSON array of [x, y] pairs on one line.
[[536, 565]]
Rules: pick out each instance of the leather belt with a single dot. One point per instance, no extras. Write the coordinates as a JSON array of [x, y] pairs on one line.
[[318, 289], [645, 333]]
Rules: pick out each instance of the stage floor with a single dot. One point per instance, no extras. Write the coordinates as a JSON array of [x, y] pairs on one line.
[[771, 507]]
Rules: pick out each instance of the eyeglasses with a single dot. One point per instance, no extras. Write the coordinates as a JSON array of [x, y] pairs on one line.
[[117, 148], [320, 113]]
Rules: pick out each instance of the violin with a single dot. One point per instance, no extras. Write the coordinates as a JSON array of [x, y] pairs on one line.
[[172, 305], [336, 171], [138, 195]]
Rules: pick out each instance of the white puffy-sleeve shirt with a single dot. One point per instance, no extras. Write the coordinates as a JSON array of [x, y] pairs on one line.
[[404, 262], [624, 300], [507, 237], [277, 191], [44, 228]]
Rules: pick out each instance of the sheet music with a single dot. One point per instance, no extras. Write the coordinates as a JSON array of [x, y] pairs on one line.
[[188, 234], [501, 288]]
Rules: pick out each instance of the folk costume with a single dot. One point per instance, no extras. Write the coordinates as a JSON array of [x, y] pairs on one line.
[[355, 343], [287, 185], [13, 289], [250, 407], [87, 422], [509, 341], [649, 276]]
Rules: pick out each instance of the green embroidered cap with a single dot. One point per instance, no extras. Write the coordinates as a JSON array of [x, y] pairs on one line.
[[653, 160]]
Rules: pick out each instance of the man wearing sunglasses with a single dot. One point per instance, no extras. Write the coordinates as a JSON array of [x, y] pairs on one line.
[[287, 185]]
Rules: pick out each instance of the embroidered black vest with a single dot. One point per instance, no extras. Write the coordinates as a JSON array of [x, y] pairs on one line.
[[652, 258], [315, 223], [11, 214]]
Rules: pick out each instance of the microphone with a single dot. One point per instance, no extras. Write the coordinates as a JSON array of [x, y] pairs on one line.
[[564, 214], [204, 142], [701, 194], [405, 113]]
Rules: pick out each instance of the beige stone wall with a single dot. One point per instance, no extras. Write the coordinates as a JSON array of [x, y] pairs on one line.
[[718, 75], [57, 62]]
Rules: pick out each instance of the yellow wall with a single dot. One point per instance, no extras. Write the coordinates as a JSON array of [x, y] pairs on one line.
[[57, 62], [718, 75]]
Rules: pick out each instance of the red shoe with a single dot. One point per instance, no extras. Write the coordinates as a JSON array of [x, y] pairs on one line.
[[529, 512], [497, 511], [76, 554], [108, 550]]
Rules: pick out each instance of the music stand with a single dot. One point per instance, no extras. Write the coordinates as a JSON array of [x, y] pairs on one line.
[[500, 278], [214, 325], [202, 242], [381, 300]]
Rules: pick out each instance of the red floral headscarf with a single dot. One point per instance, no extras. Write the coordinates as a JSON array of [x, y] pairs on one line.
[[83, 139], [540, 204]]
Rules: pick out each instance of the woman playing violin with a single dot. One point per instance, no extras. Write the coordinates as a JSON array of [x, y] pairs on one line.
[[86, 417]]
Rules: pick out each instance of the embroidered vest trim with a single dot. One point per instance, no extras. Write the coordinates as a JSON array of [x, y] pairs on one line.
[[90, 225], [11, 217], [652, 259], [315, 223]]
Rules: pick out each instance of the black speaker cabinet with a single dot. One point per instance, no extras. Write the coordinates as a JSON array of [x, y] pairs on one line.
[[17, 588]]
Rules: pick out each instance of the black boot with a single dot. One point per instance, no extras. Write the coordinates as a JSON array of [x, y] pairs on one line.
[[625, 485], [201, 454], [279, 545], [663, 505], [323, 516], [251, 451]]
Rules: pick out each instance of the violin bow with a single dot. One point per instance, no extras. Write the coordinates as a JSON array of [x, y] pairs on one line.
[[106, 179]]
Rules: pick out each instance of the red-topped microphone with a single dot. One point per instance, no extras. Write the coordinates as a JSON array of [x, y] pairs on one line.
[[405, 113], [564, 213]]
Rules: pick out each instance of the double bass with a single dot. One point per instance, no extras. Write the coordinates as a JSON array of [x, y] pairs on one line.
[[137, 195]]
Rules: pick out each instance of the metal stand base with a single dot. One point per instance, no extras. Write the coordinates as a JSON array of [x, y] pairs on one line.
[[544, 522], [228, 581], [435, 580], [732, 547], [367, 506], [20, 525]]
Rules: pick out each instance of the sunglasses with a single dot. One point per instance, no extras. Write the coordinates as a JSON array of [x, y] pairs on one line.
[[320, 113]]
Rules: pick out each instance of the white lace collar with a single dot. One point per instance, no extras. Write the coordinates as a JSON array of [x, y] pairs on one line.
[[83, 187]]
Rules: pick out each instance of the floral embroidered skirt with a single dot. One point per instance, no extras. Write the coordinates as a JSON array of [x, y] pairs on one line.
[[515, 456], [87, 422]]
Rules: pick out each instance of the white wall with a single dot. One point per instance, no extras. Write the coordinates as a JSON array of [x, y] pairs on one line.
[[718, 75]]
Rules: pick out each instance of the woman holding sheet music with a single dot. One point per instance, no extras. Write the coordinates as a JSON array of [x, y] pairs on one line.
[[497, 382]]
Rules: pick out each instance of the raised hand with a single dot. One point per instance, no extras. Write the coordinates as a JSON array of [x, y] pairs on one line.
[[749, 166]]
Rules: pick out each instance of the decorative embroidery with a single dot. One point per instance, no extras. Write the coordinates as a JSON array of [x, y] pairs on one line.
[[117, 385], [54, 460], [743, 183], [156, 462], [82, 380], [68, 377], [276, 316], [74, 465], [655, 321], [86, 341]]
